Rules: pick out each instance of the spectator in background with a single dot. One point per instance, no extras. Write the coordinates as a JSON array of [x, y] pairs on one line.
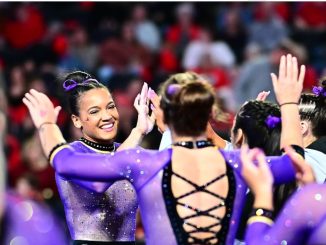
[[25, 26], [231, 28], [267, 30], [254, 76], [219, 51], [177, 38], [146, 32], [81, 53]]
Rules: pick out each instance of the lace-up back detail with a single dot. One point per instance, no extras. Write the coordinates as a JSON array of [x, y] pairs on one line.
[[216, 217]]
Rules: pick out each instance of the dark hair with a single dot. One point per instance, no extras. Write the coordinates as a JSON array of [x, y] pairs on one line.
[[251, 119], [312, 108], [79, 88], [187, 102]]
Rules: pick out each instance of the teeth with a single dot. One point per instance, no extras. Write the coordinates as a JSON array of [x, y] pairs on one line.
[[107, 126]]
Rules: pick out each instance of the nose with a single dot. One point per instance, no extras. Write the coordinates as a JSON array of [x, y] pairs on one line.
[[106, 115]]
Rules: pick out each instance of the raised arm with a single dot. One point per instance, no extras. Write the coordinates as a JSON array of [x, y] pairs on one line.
[[301, 213], [135, 165], [145, 122], [288, 87], [44, 117]]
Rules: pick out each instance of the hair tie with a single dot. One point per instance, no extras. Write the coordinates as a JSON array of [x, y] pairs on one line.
[[319, 91], [173, 89], [71, 84], [272, 121]]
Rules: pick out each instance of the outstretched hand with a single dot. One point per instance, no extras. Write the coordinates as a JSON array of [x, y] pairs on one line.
[[40, 108], [145, 122], [289, 83], [156, 109]]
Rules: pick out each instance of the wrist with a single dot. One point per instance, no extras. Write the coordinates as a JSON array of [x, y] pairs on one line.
[[45, 124], [138, 132], [264, 200], [292, 103]]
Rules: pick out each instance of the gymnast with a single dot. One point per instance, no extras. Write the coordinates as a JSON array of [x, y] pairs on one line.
[[200, 204]]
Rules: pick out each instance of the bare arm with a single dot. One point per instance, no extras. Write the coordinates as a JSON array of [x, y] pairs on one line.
[[44, 117], [288, 87]]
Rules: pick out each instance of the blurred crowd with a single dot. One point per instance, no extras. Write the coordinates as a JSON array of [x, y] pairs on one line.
[[233, 45]]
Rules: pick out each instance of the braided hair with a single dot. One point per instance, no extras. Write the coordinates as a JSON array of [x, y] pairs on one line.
[[312, 107], [251, 119]]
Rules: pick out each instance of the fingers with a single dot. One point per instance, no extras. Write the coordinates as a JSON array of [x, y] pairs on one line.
[[136, 102], [154, 98], [302, 74], [28, 104], [289, 66], [294, 68], [57, 111], [262, 164], [281, 72], [32, 99], [143, 94]]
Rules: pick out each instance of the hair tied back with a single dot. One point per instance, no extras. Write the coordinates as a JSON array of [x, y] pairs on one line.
[[71, 84], [272, 121], [318, 90]]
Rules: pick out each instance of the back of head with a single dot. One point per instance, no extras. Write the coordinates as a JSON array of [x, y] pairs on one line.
[[75, 84], [253, 118], [187, 102], [312, 108]]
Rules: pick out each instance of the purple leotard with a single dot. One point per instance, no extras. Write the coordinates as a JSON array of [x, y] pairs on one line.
[[302, 221], [146, 169], [30, 222], [98, 211]]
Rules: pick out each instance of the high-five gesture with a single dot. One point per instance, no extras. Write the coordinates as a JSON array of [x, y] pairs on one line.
[[41, 108], [145, 122], [44, 117]]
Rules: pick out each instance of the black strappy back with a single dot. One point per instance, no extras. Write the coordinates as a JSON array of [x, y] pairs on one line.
[[171, 202]]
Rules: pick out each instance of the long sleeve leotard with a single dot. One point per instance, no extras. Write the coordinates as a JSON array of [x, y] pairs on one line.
[[150, 173]]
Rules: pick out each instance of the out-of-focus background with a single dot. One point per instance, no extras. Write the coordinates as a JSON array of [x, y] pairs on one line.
[[235, 46]]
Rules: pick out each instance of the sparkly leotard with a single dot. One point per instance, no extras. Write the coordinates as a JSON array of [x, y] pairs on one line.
[[145, 169], [98, 211], [302, 221]]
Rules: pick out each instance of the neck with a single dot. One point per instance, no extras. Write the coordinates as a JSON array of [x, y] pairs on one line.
[[308, 139], [177, 138], [101, 142]]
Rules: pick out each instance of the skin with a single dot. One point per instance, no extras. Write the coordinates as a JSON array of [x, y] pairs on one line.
[[98, 116]]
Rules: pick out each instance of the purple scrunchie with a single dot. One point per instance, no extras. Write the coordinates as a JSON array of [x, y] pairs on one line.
[[71, 84], [173, 89], [272, 121], [319, 91]]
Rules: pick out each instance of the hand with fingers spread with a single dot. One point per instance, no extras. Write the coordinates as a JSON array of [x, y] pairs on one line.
[[145, 122], [156, 109], [258, 176], [288, 85], [41, 108], [304, 172]]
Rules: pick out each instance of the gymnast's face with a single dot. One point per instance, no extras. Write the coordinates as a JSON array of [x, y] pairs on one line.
[[98, 116]]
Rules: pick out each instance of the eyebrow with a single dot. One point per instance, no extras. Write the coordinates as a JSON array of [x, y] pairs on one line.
[[97, 107]]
